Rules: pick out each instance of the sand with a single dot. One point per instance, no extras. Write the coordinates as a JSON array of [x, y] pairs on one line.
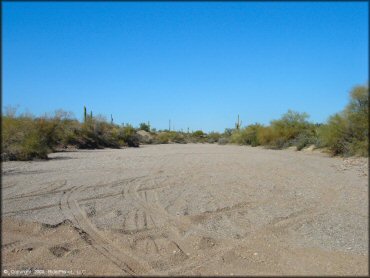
[[194, 209]]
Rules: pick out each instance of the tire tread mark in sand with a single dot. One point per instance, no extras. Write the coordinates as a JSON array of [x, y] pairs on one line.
[[155, 244], [32, 195], [30, 209], [151, 219], [232, 208], [124, 222], [36, 193], [102, 196], [92, 240], [11, 245], [177, 241], [145, 220], [136, 220], [9, 185], [96, 240], [173, 229]]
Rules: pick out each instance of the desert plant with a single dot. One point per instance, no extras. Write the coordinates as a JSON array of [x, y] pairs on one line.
[[129, 137], [335, 135], [347, 133], [145, 126], [213, 137], [223, 141], [238, 124], [85, 114], [22, 140], [246, 136], [162, 138]]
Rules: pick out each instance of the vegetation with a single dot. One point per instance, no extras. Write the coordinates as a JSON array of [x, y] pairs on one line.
[[347, 133], [145, 126], [26, 137]]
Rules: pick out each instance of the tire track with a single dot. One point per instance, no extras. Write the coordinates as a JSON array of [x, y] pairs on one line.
[[29, 209], [173, 226], [96, 239], [37, 193]]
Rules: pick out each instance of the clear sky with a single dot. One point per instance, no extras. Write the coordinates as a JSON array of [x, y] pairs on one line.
[[198, 64]]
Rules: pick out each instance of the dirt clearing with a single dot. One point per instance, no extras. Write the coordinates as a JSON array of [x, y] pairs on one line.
[[187, 210]]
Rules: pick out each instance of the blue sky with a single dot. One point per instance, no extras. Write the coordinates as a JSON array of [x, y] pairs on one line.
[[198, 64]]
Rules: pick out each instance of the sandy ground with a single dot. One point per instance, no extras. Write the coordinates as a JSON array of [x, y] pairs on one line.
[[195, 209]]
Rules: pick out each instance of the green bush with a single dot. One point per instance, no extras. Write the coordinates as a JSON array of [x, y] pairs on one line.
[[25, 137], [304, 139], [347, 133], [291, 128], [177, 137], [213, 137], [144, 126], [162, 138], [128, 137], [196, 137], [22, 140], [247, 135], [334, 134], [170, 137]]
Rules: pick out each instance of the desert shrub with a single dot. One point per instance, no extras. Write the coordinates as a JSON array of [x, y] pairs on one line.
[[145, 126], [335, 134], [251, 133], [223, 141], [22, 140], [228, 132], [265, 135], [177, 137], [170, 137], [198, 133], [305, 139], [357, 113], [128, 137], [284, 132], [96, 132], [145, 137], [213, 137], [162, 138], [105, 134], [236, 137], [288, 127], [347, 133], [55, 130], [83, 137], [246, 136], [196, 137], [25, 137]]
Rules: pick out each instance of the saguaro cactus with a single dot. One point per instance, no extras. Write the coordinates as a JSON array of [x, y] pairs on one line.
[[238, 124], [111, 119], [85, 114]]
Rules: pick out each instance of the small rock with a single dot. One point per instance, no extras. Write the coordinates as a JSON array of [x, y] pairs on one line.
[[255, 254]]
